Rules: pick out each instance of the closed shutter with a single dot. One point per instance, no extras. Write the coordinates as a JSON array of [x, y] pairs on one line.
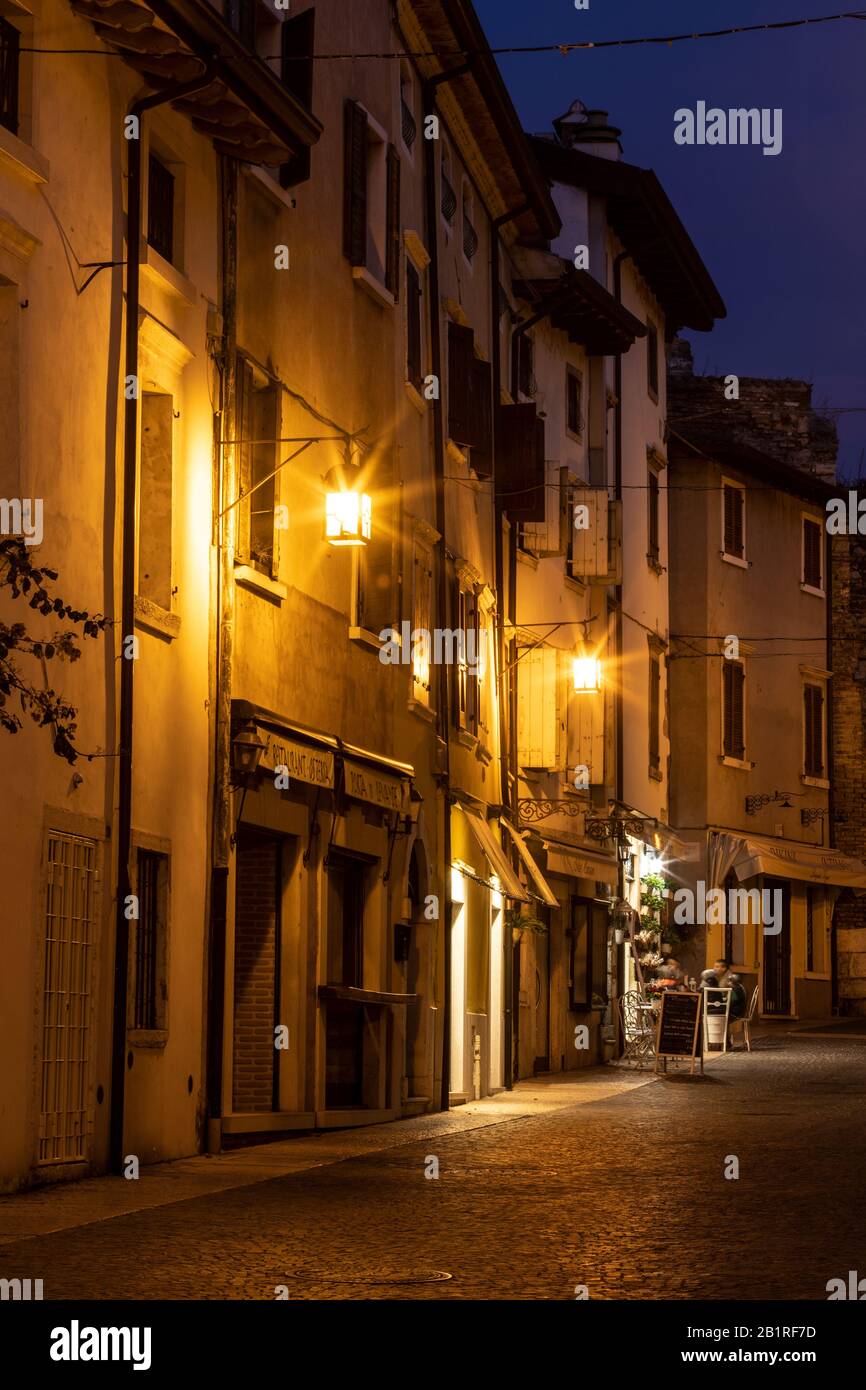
[[734, 692], [654, 711], [585, 735], [378, 600], [812, 554], [422, 590], [482, 419], [244, 433], [537, 723], [355, 185], [813, 697], [653, 497], [461, 355], [734, 521], [590, 542], [392, 227], [297, 37], [523, 481], [414, 339]]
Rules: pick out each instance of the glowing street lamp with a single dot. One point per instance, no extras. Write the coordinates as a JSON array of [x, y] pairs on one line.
[[587, 675], [348, 508]]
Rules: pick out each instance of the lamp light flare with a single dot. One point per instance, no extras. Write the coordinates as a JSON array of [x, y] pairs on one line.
[[348, 517], [587, 675]]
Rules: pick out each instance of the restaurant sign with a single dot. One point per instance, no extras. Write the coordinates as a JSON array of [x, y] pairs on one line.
[[299, 760], [379, 788]]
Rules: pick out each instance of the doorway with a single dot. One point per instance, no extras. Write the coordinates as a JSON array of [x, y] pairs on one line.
[[258, 880], [344, 1018], [777, 954], [541, 1060]]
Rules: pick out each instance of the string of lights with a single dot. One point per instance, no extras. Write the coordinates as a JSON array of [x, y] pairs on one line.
[[517, 50]]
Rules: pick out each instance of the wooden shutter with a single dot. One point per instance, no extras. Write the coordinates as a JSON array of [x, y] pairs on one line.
[[813, 697], [590, 544], [414, 335], [734, 521], [378, 601], [734, 692], [522, 478], [355, 185], [392, 224], [654, 712], [585, 733], [653, 499], [481, 418], [812, 554], [537, 707], [243, 432], [297, 37], [422, 590], [461, 355]]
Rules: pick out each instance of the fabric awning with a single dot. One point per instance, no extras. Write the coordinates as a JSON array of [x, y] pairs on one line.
[[807, 863], [580, 863], [495, 855], [544, 890]]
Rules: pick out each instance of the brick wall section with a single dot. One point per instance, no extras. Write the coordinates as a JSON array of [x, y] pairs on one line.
[[255, 954], [849, 740], [773, 414]]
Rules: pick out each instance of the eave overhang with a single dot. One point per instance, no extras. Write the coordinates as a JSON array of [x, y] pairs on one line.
[[724, 449], [246, 110], [645, 221], [578, 305]]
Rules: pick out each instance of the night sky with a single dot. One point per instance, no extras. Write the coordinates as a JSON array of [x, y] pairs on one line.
[[784, 236]]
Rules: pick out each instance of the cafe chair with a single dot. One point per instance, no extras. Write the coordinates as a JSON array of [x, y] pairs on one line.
[[638, 1030], [744, 1021]]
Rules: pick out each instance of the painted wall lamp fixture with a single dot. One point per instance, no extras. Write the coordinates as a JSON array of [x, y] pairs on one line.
[[810, 814], [761, 799]]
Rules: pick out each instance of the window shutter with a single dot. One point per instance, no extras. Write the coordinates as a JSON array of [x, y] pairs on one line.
[[461, 355], [523, 479], [422, 589], [653, 497], [585, 734], [414, 336], [392, 229], [355, 185], [814, 720], [297, 37], [481, 419], [590, 544], [537, 708], [734, 693], [244, 433], [654, 692], [812, 554], [378, 605], [733, 521]]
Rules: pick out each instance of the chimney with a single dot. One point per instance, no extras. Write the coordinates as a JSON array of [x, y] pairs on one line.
[[581, 129]]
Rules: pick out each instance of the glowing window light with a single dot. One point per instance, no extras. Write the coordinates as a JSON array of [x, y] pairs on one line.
[[587, 675], [348, 517]]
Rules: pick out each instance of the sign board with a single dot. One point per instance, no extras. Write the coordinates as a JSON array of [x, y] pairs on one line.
[[379, 788], [303, 763], [678, 1033]]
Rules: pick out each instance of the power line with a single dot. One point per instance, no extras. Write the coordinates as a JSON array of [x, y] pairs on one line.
[[516, 49]]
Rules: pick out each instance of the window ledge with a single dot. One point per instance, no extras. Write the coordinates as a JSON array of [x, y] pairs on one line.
[[526, 557], [741, 764], [420, 710], [822, 783], [578, 585], [457, 453], [414, 397], [466, 740], [483, 753], [370, 640], [372, 286], [165, 277], [156, 619], [655, 566], [809, 589], [735, 560], [257, 583], [147, 1037], [269, 186], [655, 773], [21, 158]]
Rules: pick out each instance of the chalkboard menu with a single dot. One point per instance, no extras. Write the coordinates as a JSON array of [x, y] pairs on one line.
[[678, 1032]]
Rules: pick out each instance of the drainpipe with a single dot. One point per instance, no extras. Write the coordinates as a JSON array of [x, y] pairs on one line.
[[130, 488], [617, 386]]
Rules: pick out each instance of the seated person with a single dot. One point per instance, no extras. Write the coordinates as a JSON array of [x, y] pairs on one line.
[[738, 998], [710, 981]]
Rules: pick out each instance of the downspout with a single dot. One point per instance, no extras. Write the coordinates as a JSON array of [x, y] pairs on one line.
[[830, 837], [130, 489], [617, 387]]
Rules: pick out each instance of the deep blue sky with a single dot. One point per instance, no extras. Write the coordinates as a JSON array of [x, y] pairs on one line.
[[784, 237]]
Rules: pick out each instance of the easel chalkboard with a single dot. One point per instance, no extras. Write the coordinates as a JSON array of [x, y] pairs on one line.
[[678, 1032]]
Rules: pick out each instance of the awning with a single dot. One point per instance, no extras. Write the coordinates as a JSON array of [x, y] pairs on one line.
[[495, 855], [807, 863], [580, 863], [545, 893]]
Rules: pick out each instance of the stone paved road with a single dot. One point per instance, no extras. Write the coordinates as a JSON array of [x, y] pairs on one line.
[[626, 1195]]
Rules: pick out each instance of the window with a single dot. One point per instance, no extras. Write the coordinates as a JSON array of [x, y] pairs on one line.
[[573, 402], [408, 124], [448, 202], [160, 208], [155, 499], [652, 360], [470, 236], [345, 956], [10, 40], [258, 427], [653, 516], [414, 326], [734, 522], [371, 221], [654, 713], [810, 927], [470, 399], [525, 365], [148, 995], [297, 50], [588, 954], [422, 595], [467, 666], [733, 714], [241, 16], [813, 554], [813, 730]]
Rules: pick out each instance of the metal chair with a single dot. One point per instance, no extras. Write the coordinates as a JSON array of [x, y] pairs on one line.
[[744, 1021], [638, 1032]]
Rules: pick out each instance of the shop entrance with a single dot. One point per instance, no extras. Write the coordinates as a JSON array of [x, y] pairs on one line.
[[777, 955], [255, 1071], [344, 1018]]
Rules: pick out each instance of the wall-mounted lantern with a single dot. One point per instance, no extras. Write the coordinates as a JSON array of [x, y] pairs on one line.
[[587, 675], [348, 508], [247, 750]]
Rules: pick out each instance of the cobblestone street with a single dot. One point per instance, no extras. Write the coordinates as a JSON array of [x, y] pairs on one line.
[[621, 1189]]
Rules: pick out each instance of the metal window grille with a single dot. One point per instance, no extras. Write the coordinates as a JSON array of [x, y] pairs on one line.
[[408, 125], [9, 67], [65, 1119], [449, 200], [470, 239], [150, 916], [160, 209]]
